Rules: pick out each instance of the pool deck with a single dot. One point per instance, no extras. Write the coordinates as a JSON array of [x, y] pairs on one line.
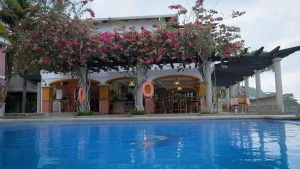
[[190, 116]]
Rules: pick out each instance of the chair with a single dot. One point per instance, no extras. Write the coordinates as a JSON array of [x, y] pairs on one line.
[[196, 106], [176, 106], [159, 106], [234, 105], [183, 106], [242, 102]]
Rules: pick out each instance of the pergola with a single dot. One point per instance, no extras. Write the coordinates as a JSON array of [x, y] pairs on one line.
[[233, 70], [230, 72], [227, 71], [224, 72]]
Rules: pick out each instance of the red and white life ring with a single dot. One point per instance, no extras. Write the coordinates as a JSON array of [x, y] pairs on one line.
[[147, 89], [81, 95]]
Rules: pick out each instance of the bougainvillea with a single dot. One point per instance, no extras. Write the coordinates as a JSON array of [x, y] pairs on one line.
[[57, 40]]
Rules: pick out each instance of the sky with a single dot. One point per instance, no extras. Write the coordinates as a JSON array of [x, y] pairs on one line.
[[267, 23]]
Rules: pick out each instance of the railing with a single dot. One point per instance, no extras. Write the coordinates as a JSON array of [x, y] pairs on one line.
[[266, 105], [180, 104], [62, 106], [121, 107]]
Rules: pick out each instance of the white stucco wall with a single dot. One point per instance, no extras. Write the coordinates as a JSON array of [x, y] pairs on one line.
[[106, 25], [104, 77]]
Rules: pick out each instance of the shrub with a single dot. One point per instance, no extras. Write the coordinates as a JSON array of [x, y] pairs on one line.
[[207, 112], [137, 112], [89, 113]]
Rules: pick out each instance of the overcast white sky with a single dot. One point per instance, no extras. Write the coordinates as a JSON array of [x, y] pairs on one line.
[[267, 23]]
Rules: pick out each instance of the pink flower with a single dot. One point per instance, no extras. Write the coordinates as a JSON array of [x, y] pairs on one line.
[[91, 12], [117, 36], [177, 46], [170, 35], [103, 49], [175, 6], [105, 37], [172, 44], [46, 60], [158, 59], [160, 52], [152, 59], [84, 2], [35, 35], [149, 61], [182, 11], [68, 43]]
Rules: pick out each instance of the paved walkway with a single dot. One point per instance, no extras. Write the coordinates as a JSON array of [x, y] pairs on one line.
[[189, 116]]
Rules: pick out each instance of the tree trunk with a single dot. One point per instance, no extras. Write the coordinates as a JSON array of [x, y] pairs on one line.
[[24, 93], [139, 94], [83, 83]]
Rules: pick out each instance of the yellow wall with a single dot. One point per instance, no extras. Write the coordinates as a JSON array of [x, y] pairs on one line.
[[47, 93], [104, 92]]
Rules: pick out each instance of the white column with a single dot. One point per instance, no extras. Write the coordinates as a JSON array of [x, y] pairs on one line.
[[278, 84], [232, 93], [208, 71], [227, 97], [238, 88], [139, 94], [38, 97], [247, 86], [258, 84], [234, 90]]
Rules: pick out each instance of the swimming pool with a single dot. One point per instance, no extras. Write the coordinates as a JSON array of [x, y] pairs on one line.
[[186, 144]]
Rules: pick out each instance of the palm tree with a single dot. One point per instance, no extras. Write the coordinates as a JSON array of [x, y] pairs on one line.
[[11, 12]]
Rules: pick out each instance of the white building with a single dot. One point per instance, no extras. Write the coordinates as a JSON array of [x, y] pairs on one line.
[[109, 92]]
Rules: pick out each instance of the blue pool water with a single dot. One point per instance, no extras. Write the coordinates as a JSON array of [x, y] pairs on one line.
[[186, 144]]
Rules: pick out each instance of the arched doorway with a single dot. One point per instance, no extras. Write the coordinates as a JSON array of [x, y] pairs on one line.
[[64, 95], [177, 94], [121, 95]]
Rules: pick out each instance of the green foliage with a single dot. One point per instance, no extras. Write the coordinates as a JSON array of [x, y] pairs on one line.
[[290, 101], [14, 5], [208, 112], [3, 30], [137, 112], [89, 113]]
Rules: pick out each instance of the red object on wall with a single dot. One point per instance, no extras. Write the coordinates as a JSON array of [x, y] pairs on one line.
[[81, 95]]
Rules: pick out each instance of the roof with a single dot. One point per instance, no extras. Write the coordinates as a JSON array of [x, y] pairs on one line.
[[3, 41], [168, 16], [234, 70]]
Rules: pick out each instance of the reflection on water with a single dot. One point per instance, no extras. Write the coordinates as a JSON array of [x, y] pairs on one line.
[[215, 144]]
